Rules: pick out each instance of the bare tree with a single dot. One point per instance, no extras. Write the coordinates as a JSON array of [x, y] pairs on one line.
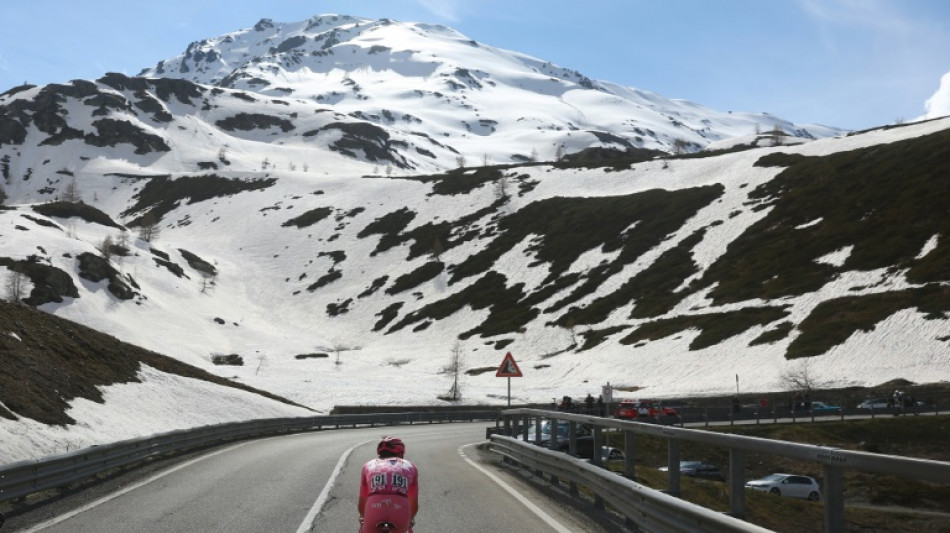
[[571, 326], [339, 346], [455, 368], [437, 249], [778, 135], [460, 161], [680, 146], [800, 378], [559, 152], [3, 195], [149, 230], [123, 240], [501, 188], [208, 282], [107, 247], [71, 193], [15, 286]]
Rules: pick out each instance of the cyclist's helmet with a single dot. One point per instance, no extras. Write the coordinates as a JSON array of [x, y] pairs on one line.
[[390, 446]]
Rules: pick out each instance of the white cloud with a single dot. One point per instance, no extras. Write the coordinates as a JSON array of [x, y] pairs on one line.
[[449, 10], [938, 105], [872, 14]]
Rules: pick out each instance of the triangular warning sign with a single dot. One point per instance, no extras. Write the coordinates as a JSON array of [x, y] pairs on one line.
[[509, 368]]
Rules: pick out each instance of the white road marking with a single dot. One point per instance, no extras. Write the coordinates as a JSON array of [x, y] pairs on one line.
[[518, 496], [307, 523], [130, 488]]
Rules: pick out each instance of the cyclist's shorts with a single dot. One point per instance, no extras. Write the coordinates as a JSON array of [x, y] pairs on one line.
[[392, 508]]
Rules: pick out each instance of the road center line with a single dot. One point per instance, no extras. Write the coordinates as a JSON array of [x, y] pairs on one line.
[[307, 523], [548, 519]]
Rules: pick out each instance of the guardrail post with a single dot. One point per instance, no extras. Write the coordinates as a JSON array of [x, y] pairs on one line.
[[572, 443], [673, 466], [599, 503], [554, 446], [736, 483], [706, 416], [629, 468], [595, 449], [834, 499]]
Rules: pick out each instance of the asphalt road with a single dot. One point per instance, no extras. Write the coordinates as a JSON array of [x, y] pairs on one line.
[[309, 482]]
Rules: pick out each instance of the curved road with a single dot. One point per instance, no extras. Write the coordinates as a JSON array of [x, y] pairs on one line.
[[309, 482]]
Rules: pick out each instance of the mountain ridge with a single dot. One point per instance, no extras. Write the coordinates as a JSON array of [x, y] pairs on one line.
[[195, 221]]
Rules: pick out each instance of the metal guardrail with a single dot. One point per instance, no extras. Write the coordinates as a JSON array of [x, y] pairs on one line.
[[652, 509], [761, 415], [698, 416], [833, 460], [26, 477]]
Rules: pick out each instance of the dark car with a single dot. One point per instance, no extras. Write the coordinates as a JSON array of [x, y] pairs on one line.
[[822, 407], [699, 469], [585, 437]]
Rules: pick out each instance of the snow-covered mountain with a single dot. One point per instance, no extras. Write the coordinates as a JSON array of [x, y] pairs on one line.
[[431, 82], [306, 212]]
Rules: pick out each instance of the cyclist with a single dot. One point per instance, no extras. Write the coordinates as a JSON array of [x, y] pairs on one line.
[[389, 489]]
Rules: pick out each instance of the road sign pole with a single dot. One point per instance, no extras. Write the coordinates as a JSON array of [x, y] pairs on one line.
[[508, 369]]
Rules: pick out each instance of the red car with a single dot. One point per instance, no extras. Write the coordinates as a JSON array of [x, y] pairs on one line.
[[642, 409]]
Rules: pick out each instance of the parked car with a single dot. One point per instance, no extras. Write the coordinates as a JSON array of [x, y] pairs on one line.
[[699, 469], [585, 437], [608, 454], [643, 409], [791, 485], [874, 403], [822, 407]]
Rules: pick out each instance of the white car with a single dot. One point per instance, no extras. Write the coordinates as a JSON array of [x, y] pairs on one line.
[[791, 485], [874, 403]]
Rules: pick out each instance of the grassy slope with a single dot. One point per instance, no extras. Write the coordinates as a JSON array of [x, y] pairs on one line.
[[51, 361]]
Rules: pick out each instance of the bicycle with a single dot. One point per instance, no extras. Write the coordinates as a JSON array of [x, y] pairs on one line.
[[387, 527]]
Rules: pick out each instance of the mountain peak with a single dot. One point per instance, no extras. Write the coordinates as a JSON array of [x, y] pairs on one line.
[[443, 82]]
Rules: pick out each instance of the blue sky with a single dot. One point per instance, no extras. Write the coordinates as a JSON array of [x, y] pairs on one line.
[[846, 63]]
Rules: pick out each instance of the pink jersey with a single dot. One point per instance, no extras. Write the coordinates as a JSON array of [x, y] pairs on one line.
[[390, 475]]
